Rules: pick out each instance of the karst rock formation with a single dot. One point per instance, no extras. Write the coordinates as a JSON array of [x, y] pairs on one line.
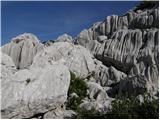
[[119, 54]]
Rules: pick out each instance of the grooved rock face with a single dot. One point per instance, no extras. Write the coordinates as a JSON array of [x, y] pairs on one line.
[[35, 90], [131, 42], [146, 19], [22, 49]]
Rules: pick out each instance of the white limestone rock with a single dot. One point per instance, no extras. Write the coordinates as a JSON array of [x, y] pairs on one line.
[[106, 76], [132, 85], [101, 38], [96, 92], [8, 69], [79, 60], [119, 54], [132, 44], [59, 113], [64, 38], [22, 49], [76, 58], [101, 106], [98, 98], [35, 90]]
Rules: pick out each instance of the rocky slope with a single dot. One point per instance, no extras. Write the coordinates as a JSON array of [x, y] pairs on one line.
[[115, 56]]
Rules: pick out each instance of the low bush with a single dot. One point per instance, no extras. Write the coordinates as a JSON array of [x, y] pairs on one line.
[[132, 108], [87, 114], [125, 108], [79, 87], [149, 108]]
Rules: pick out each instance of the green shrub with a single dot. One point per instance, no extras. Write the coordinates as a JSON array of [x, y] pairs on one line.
[[132, 108], [87, 114], [148, 109], [79, 87], [73, 103], [125, 108]]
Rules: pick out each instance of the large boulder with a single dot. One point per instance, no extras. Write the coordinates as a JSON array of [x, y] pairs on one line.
[[22, 49], [35, 91]]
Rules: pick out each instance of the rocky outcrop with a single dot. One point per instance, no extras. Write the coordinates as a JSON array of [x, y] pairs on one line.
[[129, 43], [106, 76], [49, 67], [64, 38], [134, 85], [48, 43], [76, 58], [22, 49], [118, 55], [34, 91], [97, 98], [79, 61], [61, 38]]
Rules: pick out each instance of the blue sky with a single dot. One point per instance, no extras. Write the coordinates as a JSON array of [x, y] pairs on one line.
[[47, 20]]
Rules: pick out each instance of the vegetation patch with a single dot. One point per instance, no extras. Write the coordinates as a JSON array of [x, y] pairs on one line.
[[131, 108], [87, 114], [79, 87], [125, 108]]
